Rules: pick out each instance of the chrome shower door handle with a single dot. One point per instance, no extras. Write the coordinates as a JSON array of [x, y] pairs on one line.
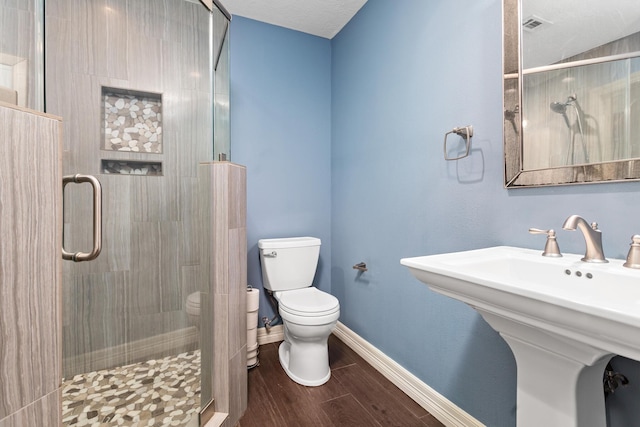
[[97, 217]]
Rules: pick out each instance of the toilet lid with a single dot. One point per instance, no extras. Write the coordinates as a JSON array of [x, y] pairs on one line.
[[308, 302]]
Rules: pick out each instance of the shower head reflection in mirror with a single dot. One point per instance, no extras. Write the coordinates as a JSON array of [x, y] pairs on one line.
[[561, 108]]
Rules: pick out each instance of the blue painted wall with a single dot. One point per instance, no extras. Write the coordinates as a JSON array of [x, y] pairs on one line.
[[404, 73], [399, 76], [281, 130]]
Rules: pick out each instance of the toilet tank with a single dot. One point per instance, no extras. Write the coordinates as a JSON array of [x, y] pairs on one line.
[[289, 263]]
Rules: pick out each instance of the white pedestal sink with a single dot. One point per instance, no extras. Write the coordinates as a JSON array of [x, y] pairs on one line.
[[562, 318]]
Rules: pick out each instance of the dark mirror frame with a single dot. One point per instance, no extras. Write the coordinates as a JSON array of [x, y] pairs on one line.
[[514, 175]]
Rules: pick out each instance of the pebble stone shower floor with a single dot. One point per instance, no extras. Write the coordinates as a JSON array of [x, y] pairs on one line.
[[162, 392]]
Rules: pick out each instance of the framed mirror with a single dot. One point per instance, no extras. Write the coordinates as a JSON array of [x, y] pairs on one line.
[[571, 92]]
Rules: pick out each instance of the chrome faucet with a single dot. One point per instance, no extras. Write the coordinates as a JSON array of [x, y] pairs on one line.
[[592, 237]]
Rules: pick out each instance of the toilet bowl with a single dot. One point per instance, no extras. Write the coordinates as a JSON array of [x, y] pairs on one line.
[[192, 307], [309, 315]]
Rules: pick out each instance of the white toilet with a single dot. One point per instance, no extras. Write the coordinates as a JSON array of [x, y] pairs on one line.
[[309, 315], [192, 306]]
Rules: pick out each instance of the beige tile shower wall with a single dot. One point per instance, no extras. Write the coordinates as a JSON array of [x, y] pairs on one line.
[[31, 230], [138, 286], [225, 208]]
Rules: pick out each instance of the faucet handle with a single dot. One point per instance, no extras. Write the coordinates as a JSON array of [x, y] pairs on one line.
[[539, 231], [633, 258], [551, 248], [594, 226]]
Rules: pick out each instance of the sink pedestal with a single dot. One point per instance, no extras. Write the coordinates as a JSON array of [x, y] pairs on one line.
[[562, 318], [559, 379]]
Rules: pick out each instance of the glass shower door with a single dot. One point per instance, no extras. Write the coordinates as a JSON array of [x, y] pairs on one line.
[[132, 81], [21, 53]]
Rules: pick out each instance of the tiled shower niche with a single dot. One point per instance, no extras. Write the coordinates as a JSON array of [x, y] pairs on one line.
[[132, 120], [126, 167]]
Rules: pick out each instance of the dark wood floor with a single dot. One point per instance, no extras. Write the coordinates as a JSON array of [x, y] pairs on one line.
[[356, 395]]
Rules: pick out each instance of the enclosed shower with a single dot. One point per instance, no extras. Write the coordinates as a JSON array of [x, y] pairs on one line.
[[142, 85]]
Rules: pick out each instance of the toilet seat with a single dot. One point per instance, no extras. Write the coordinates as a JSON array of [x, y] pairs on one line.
[[193, 303], [307, 302]]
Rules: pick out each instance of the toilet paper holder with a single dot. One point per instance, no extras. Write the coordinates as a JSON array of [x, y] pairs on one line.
[[361, 266]]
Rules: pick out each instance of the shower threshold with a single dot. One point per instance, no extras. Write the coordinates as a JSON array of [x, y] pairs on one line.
[[159, 392]]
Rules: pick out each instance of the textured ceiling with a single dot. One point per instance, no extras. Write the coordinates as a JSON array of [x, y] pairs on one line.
[[576, 26], [323, 18]]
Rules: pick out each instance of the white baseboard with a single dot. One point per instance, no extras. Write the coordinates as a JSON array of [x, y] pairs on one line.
[[217, 420], [275, 334], [432, 401]]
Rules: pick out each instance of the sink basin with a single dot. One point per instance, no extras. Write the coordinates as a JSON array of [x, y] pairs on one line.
[[562, 318]]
